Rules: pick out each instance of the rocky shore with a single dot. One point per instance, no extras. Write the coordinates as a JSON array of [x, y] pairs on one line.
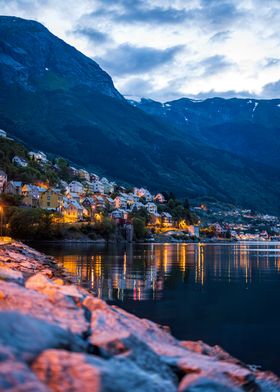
[[55, 336]]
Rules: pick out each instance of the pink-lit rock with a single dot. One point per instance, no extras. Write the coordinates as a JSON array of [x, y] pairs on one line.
[[61, 311], [62, 371]]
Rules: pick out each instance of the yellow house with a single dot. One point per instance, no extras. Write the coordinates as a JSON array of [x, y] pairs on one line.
[[72, 212], [52, 199]]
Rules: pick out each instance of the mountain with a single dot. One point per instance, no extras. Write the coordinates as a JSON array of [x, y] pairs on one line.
[[247, 127], [34, 59], [55, 99]]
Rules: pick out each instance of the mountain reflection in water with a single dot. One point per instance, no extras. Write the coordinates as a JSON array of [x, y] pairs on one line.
[[226, 294]]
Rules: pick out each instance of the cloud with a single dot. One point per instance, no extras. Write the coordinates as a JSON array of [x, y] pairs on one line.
[[127, 59], [170, 48], [271, 90], [221, 36], [138, 87], [215, 64], [272, 61], [139, 11], [92, 34], [223, 94]]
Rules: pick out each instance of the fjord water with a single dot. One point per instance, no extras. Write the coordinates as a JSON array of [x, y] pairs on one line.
[[225, 294]]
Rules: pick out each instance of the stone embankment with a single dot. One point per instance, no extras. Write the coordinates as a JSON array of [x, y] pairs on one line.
[[55, 336]]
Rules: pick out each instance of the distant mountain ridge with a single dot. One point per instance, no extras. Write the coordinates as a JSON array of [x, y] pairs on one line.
[[247, 127], [73, 109]]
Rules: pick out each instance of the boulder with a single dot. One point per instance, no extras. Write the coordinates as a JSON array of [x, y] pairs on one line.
[[41, 283], [204, 383], [212, 351], [62, 371], [61, 310], [26, 337], [10, 275], [138, 352]]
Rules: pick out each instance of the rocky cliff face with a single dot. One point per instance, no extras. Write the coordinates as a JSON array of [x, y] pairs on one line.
[[55, 336], [33, 58]]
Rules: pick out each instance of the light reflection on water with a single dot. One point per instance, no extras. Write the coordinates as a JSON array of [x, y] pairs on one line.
[[225, 294]]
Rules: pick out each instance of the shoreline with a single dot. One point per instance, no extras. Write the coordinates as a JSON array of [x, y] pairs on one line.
[[65, 339]]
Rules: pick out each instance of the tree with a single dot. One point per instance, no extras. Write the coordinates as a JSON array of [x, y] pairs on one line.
[[139, 228]]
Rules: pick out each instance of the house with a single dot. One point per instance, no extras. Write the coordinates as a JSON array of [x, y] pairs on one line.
[[193, 230], [89, 206], [119, 216], [73, 196], [3, 133], [19, 161], [110, 202], [76, 187], [120, 202], [31, 195], [63, 185], [130, 199], [151, 208], [155, 219], [89, 187], [159, 198], [142, 192], [14, 188], [84, 175], [98, 187], [51, 199], [109, 187], [73, 171], [93, 177], [218, 228], [166, 219], [38, 156], [99, 203], [71, 211]]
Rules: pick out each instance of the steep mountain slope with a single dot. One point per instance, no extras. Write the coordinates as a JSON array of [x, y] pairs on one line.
[[73, 109], [33, 58], [247, 127]]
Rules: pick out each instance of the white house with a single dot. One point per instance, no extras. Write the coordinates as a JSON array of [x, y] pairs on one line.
[[3, 133], [76, 187], [3, 180], [98, 187], [108, 186], [151, 208], [83, 174], [38, 156], [19, 161]]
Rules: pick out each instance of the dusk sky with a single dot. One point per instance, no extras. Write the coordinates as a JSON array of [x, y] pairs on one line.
[[166, 49]]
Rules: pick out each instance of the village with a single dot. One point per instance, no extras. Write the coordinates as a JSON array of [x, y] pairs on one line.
[[88, 198]]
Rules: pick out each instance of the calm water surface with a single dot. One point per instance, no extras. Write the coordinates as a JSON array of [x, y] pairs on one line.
[[223, 294]]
